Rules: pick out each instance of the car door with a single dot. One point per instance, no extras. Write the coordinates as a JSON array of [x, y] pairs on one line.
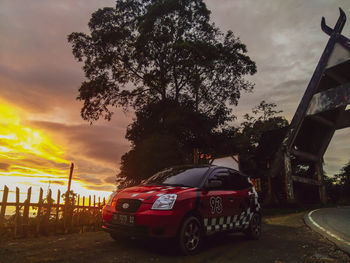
[[215, 203], [243, 198], [235, 197]]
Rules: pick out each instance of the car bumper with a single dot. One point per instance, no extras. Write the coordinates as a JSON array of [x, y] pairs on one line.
[[132, 231], [148, 223]]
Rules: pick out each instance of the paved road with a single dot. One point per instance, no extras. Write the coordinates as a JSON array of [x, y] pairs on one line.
[[333, 223], [285, 239]]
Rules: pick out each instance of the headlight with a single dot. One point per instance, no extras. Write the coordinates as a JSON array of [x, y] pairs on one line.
[[165, 202], [110, 198]]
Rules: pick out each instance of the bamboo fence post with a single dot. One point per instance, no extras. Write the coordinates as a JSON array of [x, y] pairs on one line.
[[94, 211], [82, 225], [57, 209], [66, 201], [26, 206], [72, 213], [99, 213], [17, 215], [49, 205], [89, 210], [40, 204], [22, 223], [78, 211], [26, 211], [3, 205]]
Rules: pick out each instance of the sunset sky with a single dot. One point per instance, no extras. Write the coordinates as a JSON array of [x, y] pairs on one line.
[[41, 131]]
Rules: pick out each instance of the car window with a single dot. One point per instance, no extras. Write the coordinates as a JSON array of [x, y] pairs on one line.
[[231, 179], [237, 181], [222, 175], [179, 176]]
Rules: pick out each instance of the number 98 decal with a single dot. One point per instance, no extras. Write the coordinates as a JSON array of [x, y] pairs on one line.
[[216, 204]]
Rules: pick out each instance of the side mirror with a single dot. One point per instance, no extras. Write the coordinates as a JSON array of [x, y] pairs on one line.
[[214, 184]]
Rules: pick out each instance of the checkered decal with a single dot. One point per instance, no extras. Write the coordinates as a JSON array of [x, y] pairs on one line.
[[228, 222], [237, 222]]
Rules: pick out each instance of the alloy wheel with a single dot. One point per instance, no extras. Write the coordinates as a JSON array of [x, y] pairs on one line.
[[192, 235]]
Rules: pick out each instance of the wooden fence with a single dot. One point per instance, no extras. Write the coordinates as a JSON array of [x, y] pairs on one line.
[[50, 216]]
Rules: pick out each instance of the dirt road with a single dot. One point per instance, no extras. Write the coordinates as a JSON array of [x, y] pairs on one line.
[[284, 239]]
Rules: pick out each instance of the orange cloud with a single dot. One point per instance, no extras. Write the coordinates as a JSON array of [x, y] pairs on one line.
[[29, 156], [17, 140]]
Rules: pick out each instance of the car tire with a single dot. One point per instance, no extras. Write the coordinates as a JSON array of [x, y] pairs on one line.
[[254, 229], [190, 236]]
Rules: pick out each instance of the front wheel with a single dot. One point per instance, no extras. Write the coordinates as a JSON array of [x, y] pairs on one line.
[[254, 229], [190, 236]]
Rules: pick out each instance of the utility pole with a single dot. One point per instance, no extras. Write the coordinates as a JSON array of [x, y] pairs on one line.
[[66, 217], [70, 176]]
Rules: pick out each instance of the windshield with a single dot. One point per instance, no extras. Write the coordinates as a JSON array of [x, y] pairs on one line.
[[178, 176]]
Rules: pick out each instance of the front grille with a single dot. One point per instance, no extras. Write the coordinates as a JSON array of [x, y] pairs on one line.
[[133, 205]]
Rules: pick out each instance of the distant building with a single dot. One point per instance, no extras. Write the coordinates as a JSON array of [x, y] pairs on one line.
[[227, 161]]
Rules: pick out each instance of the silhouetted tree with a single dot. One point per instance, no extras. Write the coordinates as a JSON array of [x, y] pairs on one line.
[[164, 134], [264, 118], [145, 51], [338, 186]]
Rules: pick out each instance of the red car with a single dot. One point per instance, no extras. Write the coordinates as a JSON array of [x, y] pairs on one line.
[[186, 202]]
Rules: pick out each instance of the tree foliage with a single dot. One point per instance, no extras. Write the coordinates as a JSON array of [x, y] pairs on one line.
[[344, 176], [145, 51], [164, 134], [264, 118], [338, 186]]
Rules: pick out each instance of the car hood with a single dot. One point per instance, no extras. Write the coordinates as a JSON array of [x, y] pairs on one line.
[[149, 193]]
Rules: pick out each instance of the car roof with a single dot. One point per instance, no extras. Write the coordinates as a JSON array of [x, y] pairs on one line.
[[191, 166], [210, 166]]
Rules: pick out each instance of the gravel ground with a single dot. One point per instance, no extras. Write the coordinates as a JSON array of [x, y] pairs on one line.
[[284, 239]]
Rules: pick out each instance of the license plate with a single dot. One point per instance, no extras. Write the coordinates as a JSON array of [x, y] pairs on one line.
[[124, 219]]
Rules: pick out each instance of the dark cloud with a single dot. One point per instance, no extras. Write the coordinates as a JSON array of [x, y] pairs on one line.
[[109, 188], [97, 142], [338, 152], [37, 68], [285, 40], [109, 180], [39, 74], [53, 182], [333, 159], [33, 166], [51, 88], [4, 167], [90, 179], [34, 161], [85, 166], [58, 79]]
